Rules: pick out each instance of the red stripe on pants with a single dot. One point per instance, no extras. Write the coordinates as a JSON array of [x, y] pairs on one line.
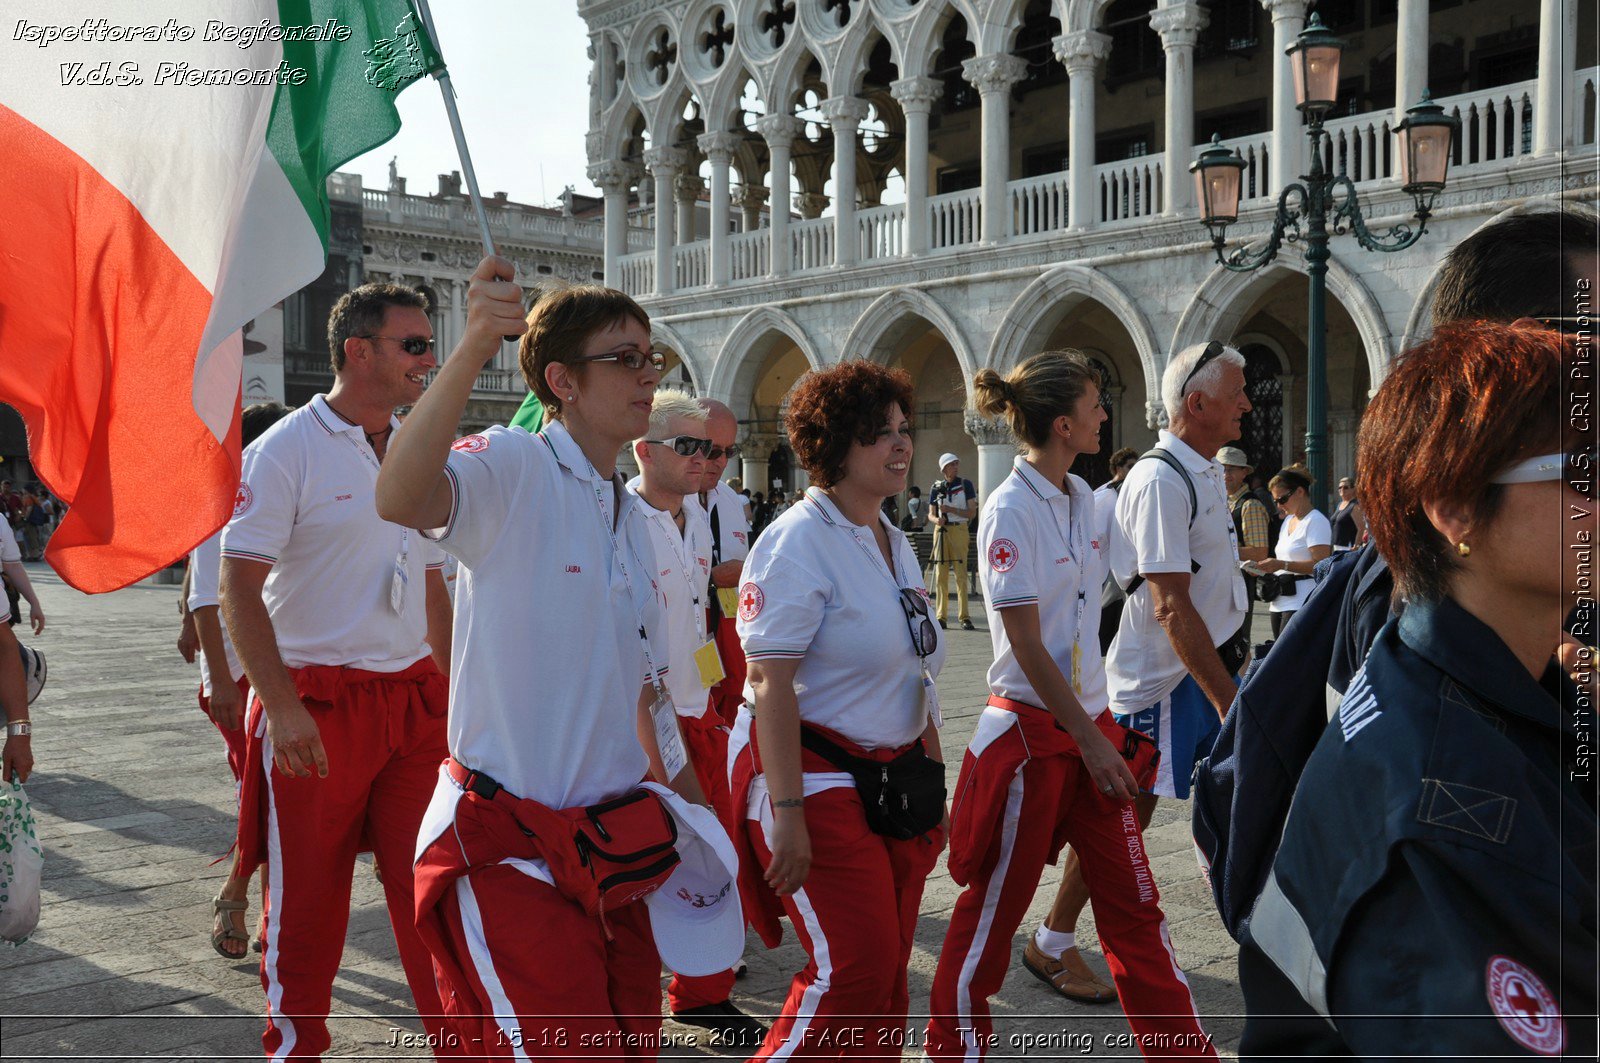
[[548, 983], [384, 736], [1013, 814], [728, 695], [856, 915], [234, 739], [705, 738]]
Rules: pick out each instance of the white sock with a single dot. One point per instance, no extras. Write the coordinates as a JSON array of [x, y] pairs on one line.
[[1053, 942]]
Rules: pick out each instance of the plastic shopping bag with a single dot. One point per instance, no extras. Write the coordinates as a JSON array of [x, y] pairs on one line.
[[21, 861]]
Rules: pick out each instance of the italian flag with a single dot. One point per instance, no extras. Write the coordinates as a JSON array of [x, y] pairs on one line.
[[163, 170]]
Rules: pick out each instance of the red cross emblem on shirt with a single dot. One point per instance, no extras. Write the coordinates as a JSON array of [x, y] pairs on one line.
[[1002, 555], [750, 602], [1525, 1008]]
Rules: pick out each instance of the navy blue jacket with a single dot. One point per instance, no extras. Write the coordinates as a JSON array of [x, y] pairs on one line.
[[1435, 889]]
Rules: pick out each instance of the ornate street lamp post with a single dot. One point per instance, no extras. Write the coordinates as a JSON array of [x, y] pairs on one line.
[[1304, 209]]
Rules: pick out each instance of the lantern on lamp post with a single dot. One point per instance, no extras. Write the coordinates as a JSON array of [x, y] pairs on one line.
[[1305, 208]]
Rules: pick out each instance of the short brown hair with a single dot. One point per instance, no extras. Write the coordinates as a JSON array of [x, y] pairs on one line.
[[1292, 478], [360, 312], [829, 409], [1125, 455], [1472, 399], [1521, 265], [560, 323]]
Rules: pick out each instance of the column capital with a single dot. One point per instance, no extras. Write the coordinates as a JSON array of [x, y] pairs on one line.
[[1155, 413], [612, 176], [779, 129], [1179, 24], [986, 432], [994, 73], [719, 147], [844, 113], [811, 204], [1082, 50], [917, 95], [750, 196], [666, 161], [688, 186], [1282, 10]]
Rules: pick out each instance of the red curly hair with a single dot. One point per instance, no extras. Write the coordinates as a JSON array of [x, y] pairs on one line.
[[831, 409], [1472, 399]]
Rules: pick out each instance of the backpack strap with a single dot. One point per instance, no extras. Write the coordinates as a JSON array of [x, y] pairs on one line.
[[1166, 457]]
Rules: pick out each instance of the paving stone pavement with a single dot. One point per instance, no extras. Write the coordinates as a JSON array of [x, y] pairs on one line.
[[134, 803]]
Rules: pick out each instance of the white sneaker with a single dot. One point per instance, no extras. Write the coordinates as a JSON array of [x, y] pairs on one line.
[[33, 664]]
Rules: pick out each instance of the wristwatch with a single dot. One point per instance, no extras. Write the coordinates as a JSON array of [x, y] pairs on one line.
[[19, 729]]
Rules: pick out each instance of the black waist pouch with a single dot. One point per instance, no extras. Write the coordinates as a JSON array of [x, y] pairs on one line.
[[903, 797]]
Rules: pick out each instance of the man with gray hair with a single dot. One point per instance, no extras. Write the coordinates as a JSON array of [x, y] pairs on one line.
[[1174, 550], [672, 461]]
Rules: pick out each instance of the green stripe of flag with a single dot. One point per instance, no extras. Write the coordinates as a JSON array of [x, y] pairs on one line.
[[346, 105]]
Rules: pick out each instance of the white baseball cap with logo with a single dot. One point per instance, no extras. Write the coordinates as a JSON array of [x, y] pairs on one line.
[[947, 459], [696, 916]]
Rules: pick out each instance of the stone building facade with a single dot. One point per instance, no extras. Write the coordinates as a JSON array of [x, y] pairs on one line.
[[951, 184]]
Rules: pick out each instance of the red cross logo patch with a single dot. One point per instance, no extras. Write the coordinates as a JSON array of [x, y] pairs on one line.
[[750, 602], [242, 499], [471, 444], [1526, 1009], [1002, 555]]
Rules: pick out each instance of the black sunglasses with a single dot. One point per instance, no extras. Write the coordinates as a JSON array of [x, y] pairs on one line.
[[924, 636], [1212, 351], [717, 453], [1283, 500], [630, 359], [684, 446], [415, 346]]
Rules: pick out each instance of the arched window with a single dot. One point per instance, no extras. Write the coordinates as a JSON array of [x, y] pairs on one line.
[[1262, 428]]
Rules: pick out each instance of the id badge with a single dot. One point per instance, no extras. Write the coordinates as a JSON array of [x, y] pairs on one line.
[[668, 740], [397, 585], [709, 661], [728, 599], [930, 698]]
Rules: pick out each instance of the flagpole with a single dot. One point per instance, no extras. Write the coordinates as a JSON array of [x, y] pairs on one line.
[[442, 76]]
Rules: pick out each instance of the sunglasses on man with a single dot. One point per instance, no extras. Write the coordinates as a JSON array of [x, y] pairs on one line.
[[415, 346], [684, 446]]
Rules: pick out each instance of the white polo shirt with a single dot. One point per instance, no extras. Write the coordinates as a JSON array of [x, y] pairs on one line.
[[683, 574], [1105, 511], [205, 568], [546, 664], [816, 590], [1038, 545], [734, 526], [1152, 533], [9, 550], [306, 507]]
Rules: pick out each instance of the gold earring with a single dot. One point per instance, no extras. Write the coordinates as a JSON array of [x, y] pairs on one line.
[[1463, 549]]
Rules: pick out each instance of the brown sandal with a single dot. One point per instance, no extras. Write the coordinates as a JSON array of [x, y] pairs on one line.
[[1068, 975], [221, 906]]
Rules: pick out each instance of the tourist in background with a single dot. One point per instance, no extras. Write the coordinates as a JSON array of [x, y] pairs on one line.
[[1349, 523], [1306, 538]]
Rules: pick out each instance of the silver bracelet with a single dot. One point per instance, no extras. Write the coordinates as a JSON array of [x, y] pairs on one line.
[[790, 802]]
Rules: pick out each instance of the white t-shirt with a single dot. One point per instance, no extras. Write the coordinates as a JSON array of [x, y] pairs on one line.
[[205, 568], [1152, 533], [683, 574], [546, 663], [307, 507], [1038, 546], [1294, 544], [8, 549], [816, 590]]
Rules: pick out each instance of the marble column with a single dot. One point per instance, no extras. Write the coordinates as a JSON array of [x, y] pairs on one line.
[[811, 204], [613, 179], [996, 447], [1179, 25], [993, 76], [1081, 53], [664, 164], [1410, 56], [779, 131], [750, 199], [719, 149], [1558, 57], [916, 97], [686, 188], [1289, 156], [844, 114]]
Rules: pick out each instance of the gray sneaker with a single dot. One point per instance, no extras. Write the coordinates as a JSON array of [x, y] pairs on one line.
[[33, 665]]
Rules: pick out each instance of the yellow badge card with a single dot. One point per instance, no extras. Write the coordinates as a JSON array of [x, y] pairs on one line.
[[709, 662], [728, 598]]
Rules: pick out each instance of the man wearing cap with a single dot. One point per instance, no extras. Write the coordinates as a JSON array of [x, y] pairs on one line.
[[1250, 522], [951, 501]]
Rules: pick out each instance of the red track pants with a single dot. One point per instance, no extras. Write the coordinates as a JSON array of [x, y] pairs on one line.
[[728, 695], [235, 739], [706, 741], [1023, 794], [384, 736], [548, 983], [856, 915]]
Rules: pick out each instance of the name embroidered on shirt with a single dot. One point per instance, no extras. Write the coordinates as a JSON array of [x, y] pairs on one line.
[[343, 498], [1359, 707], [574, 568]]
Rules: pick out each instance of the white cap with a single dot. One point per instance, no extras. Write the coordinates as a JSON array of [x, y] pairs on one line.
[[696, 916], [946, 459], [1234, 457]]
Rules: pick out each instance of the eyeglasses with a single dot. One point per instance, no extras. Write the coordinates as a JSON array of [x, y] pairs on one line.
[[1283, 500], [924, 636], [717, 453], [1213, 350], [684, 446], [630, 359], [1578, 470], [415, 346]]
